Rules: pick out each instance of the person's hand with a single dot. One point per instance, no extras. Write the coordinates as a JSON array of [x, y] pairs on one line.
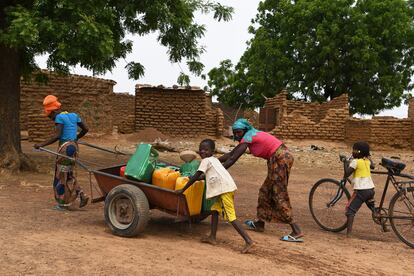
[[180, 191], [36, 146]]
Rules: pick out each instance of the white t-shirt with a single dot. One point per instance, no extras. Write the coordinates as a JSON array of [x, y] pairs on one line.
[[362, 175], [218, 179]]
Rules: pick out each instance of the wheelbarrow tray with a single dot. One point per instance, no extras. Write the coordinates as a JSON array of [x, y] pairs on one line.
[[158, 198]]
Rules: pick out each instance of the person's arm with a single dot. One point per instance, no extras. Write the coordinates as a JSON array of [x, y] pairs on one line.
[[190, 182], [225, 156], [349, 171], [372, 164], [84, 130], [51, 140], [350, 168], [234, 155]]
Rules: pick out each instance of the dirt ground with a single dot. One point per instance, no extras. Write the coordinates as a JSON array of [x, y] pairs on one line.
[[36, 240]]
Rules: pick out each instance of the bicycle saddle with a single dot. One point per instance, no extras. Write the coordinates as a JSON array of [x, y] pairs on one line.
[[393, 165]]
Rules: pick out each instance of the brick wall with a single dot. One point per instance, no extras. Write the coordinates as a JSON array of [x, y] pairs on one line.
[[123, 106], [305, 120], [176, 111], [381, 132], [85, 95]]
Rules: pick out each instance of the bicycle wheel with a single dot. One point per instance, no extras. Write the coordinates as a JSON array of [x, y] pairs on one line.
[[402, 216], [327, 203]]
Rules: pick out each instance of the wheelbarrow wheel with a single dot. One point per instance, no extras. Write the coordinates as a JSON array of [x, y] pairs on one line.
[[126, 210]]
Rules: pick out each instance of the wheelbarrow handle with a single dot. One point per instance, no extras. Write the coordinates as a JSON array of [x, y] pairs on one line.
[[102, 149], [66, 157]]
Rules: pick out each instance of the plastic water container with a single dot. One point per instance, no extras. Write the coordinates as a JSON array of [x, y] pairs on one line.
[[194, 194], [142, 163], [165, 178], [122, 171], [189, 168]]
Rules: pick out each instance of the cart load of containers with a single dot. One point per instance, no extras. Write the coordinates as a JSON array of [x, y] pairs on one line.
[[145, 167]]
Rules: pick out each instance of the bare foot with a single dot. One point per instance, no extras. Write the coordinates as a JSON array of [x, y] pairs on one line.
[[247, 247], [209, 240]]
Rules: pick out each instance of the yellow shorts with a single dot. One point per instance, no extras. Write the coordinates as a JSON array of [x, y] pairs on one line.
[[225, 205]]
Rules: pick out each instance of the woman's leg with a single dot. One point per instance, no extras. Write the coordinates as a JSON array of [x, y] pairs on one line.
[[282, 209], [264, 206]]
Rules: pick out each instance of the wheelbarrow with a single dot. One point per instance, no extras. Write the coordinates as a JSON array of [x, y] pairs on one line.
[[127, 202]]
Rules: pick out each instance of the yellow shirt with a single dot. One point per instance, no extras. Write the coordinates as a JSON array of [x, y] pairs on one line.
[[362, 175]]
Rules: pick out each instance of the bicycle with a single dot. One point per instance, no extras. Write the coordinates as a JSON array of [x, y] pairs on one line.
[[327, 202]]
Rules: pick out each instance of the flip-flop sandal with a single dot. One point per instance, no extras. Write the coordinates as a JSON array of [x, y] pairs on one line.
[[252, 226], [290, 238]]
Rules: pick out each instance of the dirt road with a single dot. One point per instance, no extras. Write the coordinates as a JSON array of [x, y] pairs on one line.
[[36, 240]]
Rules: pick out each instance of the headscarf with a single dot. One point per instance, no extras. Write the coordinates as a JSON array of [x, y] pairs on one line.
[[250, 130], [51, 103]]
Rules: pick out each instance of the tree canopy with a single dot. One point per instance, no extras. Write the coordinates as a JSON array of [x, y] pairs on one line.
[[319, 49], [92, 33], [89, 33]]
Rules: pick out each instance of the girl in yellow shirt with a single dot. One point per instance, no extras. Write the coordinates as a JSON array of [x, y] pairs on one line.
[[362, 182]]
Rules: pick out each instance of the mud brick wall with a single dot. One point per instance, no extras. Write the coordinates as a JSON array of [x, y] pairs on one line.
[[84, 95], [176, 112], [214, 119], [410, 114], [127, 125], [381, 132], [39, 128], [123, 106], [297, 126], [304, 120], [357, 130]]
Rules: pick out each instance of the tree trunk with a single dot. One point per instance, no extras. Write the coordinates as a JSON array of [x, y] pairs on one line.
[[11, 156]]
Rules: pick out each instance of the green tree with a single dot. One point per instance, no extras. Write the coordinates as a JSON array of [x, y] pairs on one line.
[[90, 33], [320, 49]]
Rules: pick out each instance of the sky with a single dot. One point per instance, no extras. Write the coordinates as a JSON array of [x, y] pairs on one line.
[[222, 40]]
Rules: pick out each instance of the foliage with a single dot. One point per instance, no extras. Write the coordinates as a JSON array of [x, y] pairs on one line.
[[92, 33], [320, 49]]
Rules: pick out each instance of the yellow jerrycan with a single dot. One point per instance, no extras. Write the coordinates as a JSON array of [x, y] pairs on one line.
[[194, 194]]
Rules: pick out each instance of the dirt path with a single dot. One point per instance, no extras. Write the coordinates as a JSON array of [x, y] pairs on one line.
[[35, 240]]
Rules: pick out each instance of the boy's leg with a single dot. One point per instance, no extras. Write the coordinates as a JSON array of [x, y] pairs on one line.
[[214, 224], [227, 200], [249, 242]]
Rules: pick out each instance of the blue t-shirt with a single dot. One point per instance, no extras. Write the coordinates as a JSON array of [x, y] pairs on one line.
[[70, 126]]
